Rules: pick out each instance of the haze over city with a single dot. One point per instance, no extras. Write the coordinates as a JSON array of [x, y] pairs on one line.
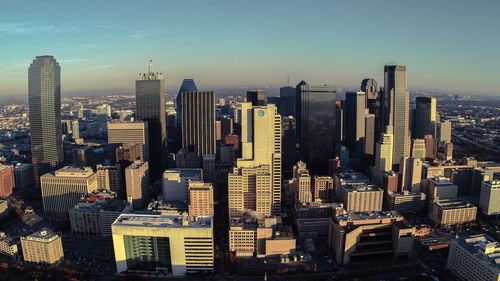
[[102, 46]]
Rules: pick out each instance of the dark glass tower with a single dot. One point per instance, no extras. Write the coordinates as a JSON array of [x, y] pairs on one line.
[[198, 121], [316, 132], [425, 117], [187, 85], [44, 96], [150, 107]]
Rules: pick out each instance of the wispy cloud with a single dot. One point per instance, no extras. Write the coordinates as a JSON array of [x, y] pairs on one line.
[[142, 33], [76, 60], [97, 67], [10, 28]]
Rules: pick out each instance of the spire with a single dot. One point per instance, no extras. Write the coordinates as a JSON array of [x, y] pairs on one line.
[[150, 68]]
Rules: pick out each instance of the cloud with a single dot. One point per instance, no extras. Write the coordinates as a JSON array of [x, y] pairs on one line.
[[97, 67], [76, 60], [11, 28]]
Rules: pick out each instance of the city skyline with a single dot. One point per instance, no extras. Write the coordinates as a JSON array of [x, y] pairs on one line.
[[249, 53]]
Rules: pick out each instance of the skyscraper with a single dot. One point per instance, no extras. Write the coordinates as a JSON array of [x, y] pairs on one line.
[[44, 96], [383, 154], [137, 184], [187, 85], [355, 121], [316, 131], [261, 144], [425, 117], [396, 89], [256, 97], [150, 107], [198, 121]]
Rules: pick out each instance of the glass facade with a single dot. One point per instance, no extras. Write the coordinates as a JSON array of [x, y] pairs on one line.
[[44, 96], [316, 125], [147, 253]]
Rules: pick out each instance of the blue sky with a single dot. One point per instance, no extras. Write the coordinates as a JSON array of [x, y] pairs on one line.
[[103, 45]]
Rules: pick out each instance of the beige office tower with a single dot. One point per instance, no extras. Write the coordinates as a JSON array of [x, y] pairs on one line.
[[201, 199], [396, 89], [301, 183], [418, 148], [410, 170], [261, 144], [383, 153], [250, 189], [444, 131], [108, 177], [137, 184], [323, 188], [42, 247], [62, 189], [130, 132]]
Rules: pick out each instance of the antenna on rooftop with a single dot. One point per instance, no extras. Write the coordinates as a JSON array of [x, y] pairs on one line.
[[150, 66], [288, 77]]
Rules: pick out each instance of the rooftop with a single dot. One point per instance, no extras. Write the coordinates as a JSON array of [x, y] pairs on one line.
[[184, 172], [449, 204], [315, 205], [482, 247], [101, 199], [361, 187], [354, 216], [148, 220], [72, 171], [352, 176], [43, 235]]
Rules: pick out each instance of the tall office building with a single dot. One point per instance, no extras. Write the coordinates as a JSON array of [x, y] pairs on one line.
[[355, 121], [410, 173], [301, 183], [425, 117], [137, 184], [256, 97], [83, 156], [444, 131], [174, 244], [109, 178], [150, 107], [490, 197], [316, 125], [323, 188], [132, 133], [44, 97], [62, 189], [23, 175], [383, 154], [396, 91], [250, 189], [261, 144], [370, 132], [187, 85], [418, 148], [198, 121], [7, 181], [430, 147], [201, 199]]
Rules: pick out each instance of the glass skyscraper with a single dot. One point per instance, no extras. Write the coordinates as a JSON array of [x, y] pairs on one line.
[[398, 109], [425, 117], [150, 107], [316, 130], [44, 96]]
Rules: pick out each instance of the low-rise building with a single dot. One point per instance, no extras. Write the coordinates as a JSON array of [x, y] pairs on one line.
[[95, 212], [251, 235], [474, 258], [361, 197], [8, 247], [42, 247], [313, 220], [405, 202], [348, 178], [452, 211], [357, 234], [178, 245], [441, 188]]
